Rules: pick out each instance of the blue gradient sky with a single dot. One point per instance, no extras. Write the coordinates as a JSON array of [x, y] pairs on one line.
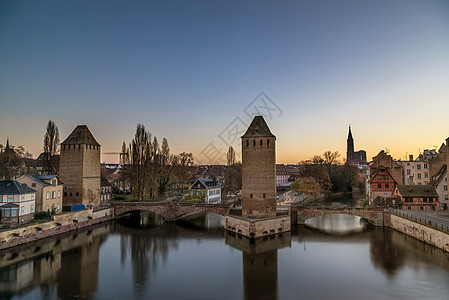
[[186, 69]]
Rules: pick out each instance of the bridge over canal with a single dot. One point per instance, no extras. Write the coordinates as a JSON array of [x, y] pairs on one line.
[[373, 215], [169, 211]]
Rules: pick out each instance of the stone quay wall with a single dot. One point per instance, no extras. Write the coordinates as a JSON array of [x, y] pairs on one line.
[[429, 235], [59, 224]]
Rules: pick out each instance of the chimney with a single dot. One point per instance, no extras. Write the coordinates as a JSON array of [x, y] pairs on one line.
[[411, 157]]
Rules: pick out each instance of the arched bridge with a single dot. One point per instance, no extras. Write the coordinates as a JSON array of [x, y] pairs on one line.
[[373, 215], [169, 211]]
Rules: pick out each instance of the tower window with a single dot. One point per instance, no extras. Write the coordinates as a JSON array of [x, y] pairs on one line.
[[250, 195], [261, 142], [77, 194], [268, 143], [247, 143], [264, 195], [254, 142]]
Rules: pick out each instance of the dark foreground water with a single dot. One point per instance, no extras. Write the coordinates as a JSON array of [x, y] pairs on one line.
[[143, 258]]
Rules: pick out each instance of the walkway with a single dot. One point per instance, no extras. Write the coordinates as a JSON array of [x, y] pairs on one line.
[[436, 219]]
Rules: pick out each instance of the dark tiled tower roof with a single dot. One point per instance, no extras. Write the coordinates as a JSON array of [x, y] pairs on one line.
[[81, 135], [258, 128]]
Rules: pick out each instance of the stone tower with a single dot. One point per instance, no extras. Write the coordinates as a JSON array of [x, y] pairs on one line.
[[258, 170], [349, 147], [79, 168]]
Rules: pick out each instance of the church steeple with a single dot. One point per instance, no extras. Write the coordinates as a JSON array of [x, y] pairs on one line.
[[349, 146]]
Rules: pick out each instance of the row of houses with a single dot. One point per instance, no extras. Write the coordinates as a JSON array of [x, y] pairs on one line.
[[414, 184]]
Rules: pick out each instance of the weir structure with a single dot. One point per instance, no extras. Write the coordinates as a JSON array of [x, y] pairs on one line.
[[258, 216]]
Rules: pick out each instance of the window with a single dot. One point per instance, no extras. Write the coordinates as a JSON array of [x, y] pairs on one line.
[[247, 143], [418, 167], [1, 198], [53, 195], [446, 197], [70, 194], [419, 176], [22, 198], [53, 182], [46, 208], [10, 198], [268, 142], [387, 186], [22, 210], [264, 195], [33, 196], [32, 208], [444, 187], [254, 142], [425, 166], [261, 142], [48, 195], [14, 212], [250, 195], [59, 194], [77, 194], [426, 175], [58, 206], [33, 184], [379, 185], [408, 171]]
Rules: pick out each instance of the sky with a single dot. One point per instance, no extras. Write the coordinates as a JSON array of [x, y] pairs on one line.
[[195, 72]]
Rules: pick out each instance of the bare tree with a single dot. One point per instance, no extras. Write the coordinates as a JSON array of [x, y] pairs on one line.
[[230, 156], [140, 155], [51, 148], [233, 173]]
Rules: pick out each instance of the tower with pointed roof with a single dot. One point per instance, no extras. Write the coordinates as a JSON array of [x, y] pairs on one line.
[[349, 146], [79, 168], [351, 155], [258, 170]]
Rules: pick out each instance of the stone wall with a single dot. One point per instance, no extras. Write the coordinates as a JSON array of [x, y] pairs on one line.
[[80, 172], [60, 223], [256, 228], [437, 238]]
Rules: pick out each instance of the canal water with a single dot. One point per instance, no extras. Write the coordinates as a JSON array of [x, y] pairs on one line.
[[142, 258]]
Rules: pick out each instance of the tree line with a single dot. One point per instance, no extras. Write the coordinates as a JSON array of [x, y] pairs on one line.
[[150, 168], [329, 174]]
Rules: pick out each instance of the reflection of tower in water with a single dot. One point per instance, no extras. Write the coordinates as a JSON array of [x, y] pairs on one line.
[[260, 264], [79, 270]]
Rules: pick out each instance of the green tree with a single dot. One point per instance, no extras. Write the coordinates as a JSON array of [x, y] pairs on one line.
[[307, 186]]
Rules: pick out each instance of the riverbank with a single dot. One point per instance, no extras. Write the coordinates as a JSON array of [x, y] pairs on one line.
[[59, 224], [423, 232]]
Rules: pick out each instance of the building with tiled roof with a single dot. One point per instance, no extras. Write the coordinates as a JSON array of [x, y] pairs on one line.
[[17, 202], [49, 191], [439, 181], [205, 190], [281, 175], [417, 197]]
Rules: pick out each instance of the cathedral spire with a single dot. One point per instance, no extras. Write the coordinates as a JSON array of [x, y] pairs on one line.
[[350, 133]]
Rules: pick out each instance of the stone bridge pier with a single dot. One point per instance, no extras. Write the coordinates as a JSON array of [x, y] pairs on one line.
[[375, 216]]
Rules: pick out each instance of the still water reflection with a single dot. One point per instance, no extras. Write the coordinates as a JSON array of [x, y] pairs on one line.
[[141, 257]]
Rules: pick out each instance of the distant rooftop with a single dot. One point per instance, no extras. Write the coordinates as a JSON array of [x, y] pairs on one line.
[[81, 135], [12, 187], [258, 128]]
